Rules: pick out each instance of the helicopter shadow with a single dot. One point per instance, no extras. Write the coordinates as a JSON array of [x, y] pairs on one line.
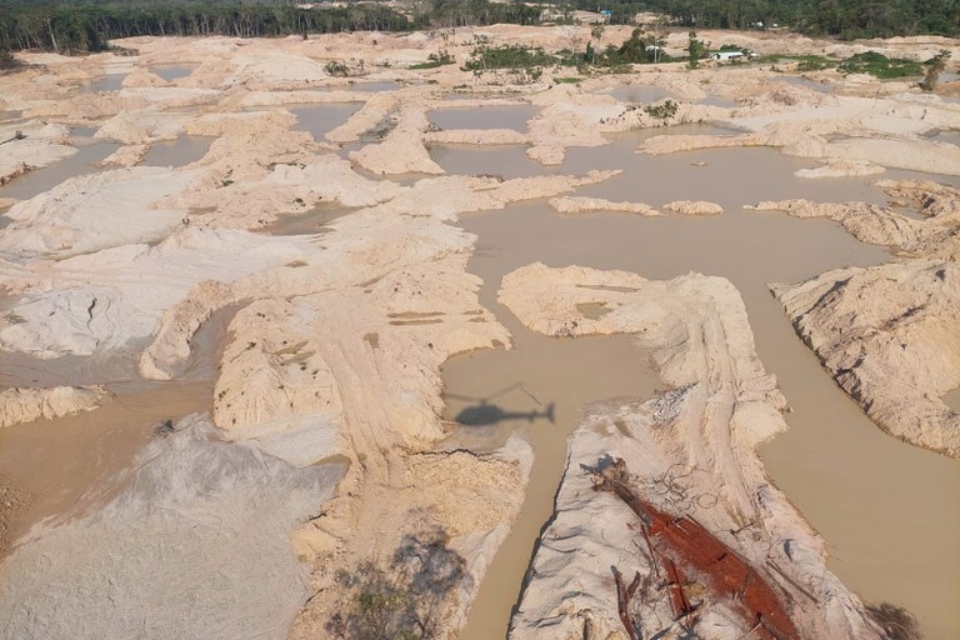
[[485, 413]]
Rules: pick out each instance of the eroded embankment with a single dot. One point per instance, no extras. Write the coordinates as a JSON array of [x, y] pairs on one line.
[[336, 353]]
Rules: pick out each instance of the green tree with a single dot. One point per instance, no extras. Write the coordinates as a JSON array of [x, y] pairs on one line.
[[696, 49]]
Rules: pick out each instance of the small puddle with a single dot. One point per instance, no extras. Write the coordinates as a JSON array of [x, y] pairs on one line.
[[108, 83], [319, 120], [641, 93], [889, 511], [178, 153], [952, 400], [805, 83], [90, 152], [309, 222], [489, 117], [371, 87], [717, 101], [172, 72], [950, 136]]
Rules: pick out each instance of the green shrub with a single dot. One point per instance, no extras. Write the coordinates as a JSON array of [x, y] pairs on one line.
[[435, 60], [880, 66], [511, 56], [662, 111]]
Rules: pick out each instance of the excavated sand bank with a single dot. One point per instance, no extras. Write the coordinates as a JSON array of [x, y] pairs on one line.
[[325, 415]]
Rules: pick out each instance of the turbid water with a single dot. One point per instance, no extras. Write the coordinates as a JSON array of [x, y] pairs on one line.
[[321, 119], [309, 222], [952, 400], [64, 466], [488, 117], [90, 152], [179, 152], [171, 72], [889, 511], [67, 474], [107, 83], [641, 93]]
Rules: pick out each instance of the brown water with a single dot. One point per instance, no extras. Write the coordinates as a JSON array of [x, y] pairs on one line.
[[89, 153], [171, 72], [889, 511], [65, 465], [58, 462], [640, 93], [179, 152], [108, 83], [309, 222], [321, 119], [509, 161], [952, 400], [370, 87], [539, 379], [488, 117]]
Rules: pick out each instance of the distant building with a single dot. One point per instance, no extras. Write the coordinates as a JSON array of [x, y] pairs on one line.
[[727, 56]]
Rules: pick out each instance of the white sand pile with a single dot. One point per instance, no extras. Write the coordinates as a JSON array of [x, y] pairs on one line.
[[27, 405], [94, 212], [195, 546], [889, 336]]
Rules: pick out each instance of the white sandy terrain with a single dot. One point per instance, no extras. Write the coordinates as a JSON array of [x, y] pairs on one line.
[[692, 449], [888, 335], [327, 400], [196, 545], [27, 405], [94, 212]]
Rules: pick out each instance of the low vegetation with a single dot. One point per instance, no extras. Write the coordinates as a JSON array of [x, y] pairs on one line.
[[404, 600], [880, 66], [435, 60]]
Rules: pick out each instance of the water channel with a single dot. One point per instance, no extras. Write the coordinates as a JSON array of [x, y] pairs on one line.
[[889, 511], [90, 151]]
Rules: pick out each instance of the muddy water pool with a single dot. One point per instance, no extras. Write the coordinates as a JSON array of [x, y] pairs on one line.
[[65, 465], [90, 152], [107, 83], [889, 511], [319, 120], [59, 462], [952, 400], [171, 72], [310, 222], [179, 152], [640, 93], [487, 117]]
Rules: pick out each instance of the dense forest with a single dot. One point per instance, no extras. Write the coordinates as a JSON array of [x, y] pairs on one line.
[[70, 27], [847, 19]]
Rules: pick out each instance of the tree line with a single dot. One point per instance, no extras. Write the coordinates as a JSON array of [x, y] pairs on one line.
[[845, 19], [87, 27]]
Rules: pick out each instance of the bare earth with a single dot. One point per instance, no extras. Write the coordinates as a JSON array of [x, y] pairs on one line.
[[306, 463]]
